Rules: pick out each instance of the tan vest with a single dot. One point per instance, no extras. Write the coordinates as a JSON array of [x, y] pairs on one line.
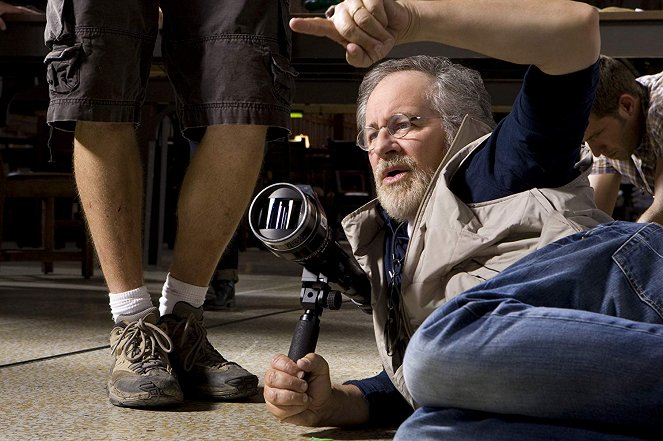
[[455, 246]]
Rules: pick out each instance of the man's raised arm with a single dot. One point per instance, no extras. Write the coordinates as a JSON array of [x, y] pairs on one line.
[[558, 36]]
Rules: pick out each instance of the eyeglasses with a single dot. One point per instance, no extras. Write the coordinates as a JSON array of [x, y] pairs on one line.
[[398, 126]]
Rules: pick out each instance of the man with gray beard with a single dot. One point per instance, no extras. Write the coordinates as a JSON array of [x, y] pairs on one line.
[[459, 198], [401, 199]]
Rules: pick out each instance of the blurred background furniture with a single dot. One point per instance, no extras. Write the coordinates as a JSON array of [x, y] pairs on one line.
[[40, 215], [46, 187]]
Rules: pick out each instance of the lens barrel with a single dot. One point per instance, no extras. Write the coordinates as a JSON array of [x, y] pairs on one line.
[[291, 222]]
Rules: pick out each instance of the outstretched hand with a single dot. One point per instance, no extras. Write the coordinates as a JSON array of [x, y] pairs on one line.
[[367, 29]]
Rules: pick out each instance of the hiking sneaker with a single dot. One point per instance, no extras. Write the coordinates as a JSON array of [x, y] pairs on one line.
[[202, 371], [220, 295], [141, 375]]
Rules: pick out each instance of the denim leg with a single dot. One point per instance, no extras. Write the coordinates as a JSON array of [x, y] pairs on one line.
[[573, 332], [430, 424]]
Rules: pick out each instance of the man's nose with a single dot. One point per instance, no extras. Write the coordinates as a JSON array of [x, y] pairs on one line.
[[385, 144]]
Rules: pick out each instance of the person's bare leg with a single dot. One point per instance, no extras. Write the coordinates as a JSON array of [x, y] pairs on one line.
[[214, 195], [109, 178]]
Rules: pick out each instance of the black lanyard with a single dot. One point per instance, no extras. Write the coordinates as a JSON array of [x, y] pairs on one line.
[[394, 334]]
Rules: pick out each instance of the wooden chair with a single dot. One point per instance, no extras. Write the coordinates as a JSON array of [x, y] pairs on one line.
[[47, 187]]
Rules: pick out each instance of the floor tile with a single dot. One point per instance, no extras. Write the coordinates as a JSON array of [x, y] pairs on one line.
[[54, 357]]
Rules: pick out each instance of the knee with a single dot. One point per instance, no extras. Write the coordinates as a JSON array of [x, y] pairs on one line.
[[97, 129], [419, 363], [106, 138], [440, 351], [250, 135]]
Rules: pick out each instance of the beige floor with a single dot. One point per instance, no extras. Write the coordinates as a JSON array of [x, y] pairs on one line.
[[54, 357]]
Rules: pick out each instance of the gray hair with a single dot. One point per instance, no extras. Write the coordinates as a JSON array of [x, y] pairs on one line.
[[456, 91]]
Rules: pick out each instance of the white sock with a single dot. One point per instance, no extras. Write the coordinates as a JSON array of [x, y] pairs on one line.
[[130, 302], [177, 291]]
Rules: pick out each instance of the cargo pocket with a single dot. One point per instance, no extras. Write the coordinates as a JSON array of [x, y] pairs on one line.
[[63, 68], [284, 79], [62, 62]]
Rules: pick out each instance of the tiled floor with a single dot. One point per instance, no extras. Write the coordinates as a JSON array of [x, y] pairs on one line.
[[54, 357]]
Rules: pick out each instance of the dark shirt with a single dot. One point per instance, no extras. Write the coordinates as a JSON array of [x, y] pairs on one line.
[[386, 405], [536, 146]]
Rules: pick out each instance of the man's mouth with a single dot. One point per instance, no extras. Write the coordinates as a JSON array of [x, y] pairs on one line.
[[393, 174]]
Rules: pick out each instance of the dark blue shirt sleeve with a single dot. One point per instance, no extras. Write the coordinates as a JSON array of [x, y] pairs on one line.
[[386, 405], [538, 144]]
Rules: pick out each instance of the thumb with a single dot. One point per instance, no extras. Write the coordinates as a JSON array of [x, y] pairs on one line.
[[314, 364]]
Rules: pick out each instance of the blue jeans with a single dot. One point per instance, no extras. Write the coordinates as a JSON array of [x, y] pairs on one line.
[[565, 344]]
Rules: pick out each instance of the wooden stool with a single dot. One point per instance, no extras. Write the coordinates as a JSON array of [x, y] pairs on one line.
[[46, 187]]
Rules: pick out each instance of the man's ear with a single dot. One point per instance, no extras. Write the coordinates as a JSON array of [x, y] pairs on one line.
[[627, 105]]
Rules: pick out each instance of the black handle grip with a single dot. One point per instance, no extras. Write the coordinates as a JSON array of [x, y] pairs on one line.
[[305, 337]]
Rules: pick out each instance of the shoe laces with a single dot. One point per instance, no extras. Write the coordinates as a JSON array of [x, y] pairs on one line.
[[194, 335], [144, 345]]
